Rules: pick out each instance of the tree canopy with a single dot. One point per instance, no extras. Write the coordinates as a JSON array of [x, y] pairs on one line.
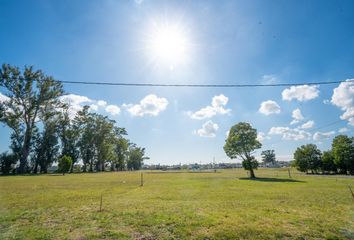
[[268, 156], [241, 142], [44, 129]]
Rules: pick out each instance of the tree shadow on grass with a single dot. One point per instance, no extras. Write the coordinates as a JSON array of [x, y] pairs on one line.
[[272, 179]]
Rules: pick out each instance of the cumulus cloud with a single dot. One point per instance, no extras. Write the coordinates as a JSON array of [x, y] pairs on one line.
[[301, 93], [208, 129], [217, 107], [343, 130], [323, 135], [290, 133], [151, 105], [343, 97], [93, 107], [297, 116], [101, 103], [308, 124], [75, 103], [113, 109], [261, 136], [269, 107]]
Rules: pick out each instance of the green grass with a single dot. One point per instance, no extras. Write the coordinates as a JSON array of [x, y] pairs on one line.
[[222, 205]]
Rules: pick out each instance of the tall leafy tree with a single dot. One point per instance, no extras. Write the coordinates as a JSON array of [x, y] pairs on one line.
[[28, 92], [343, 153], [328, 164], [241, 142], [85, 125], [308, 158], [47, 147], [136, 157], [121, 150], [104, 139], [69, 137], [268, 156]]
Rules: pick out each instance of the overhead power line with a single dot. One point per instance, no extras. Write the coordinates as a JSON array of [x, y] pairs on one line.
[[202, 85]]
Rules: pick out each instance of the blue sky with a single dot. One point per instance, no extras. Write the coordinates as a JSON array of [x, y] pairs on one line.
[[224, 42]]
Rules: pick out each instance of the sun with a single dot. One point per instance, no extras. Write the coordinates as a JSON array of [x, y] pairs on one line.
[[168, 44]]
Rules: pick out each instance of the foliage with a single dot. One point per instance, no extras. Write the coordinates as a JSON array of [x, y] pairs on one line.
[[46, 147], [121, 151], [241, 142], [343, 153], [251, 164], [29, 92], [328, 164], [44, 128], [135, 157], [308, 158], [7, 162], [268, 156], [64, 164]]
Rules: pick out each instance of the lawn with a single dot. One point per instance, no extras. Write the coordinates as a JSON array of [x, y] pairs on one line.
[[180, 205]]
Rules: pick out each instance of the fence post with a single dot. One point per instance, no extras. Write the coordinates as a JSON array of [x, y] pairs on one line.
[[289, 172], [101, 203], [141, 180], [351, 191]]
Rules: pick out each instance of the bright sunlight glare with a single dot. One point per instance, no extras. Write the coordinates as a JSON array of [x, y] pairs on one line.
[[168, 45]]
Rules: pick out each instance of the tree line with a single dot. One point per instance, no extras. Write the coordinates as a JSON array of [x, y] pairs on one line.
[[44, 130], [339, 159], [242, 142]]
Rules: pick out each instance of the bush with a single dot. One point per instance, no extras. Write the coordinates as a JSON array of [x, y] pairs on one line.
[[64, 164]]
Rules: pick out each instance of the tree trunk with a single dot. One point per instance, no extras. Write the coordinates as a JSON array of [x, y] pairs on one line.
[[35, 170], [25, 151], [252, 173], [72, 167], [102, 166], [91, 166]]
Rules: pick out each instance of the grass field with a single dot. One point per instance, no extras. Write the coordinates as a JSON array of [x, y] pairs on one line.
[[222, 205]]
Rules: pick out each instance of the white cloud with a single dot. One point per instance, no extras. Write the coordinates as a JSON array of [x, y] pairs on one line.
[[75, 103], [308, 124], [113, 109], [322, 135], [138, 1], [208, 129], [74, 99], [301, 93], [3, 98], [343, 97], [101, 103], [290, 133], [151, 105], [261, 136], [269, 107], [93, 107], [343, 130], [297, 116], [216, 107]]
